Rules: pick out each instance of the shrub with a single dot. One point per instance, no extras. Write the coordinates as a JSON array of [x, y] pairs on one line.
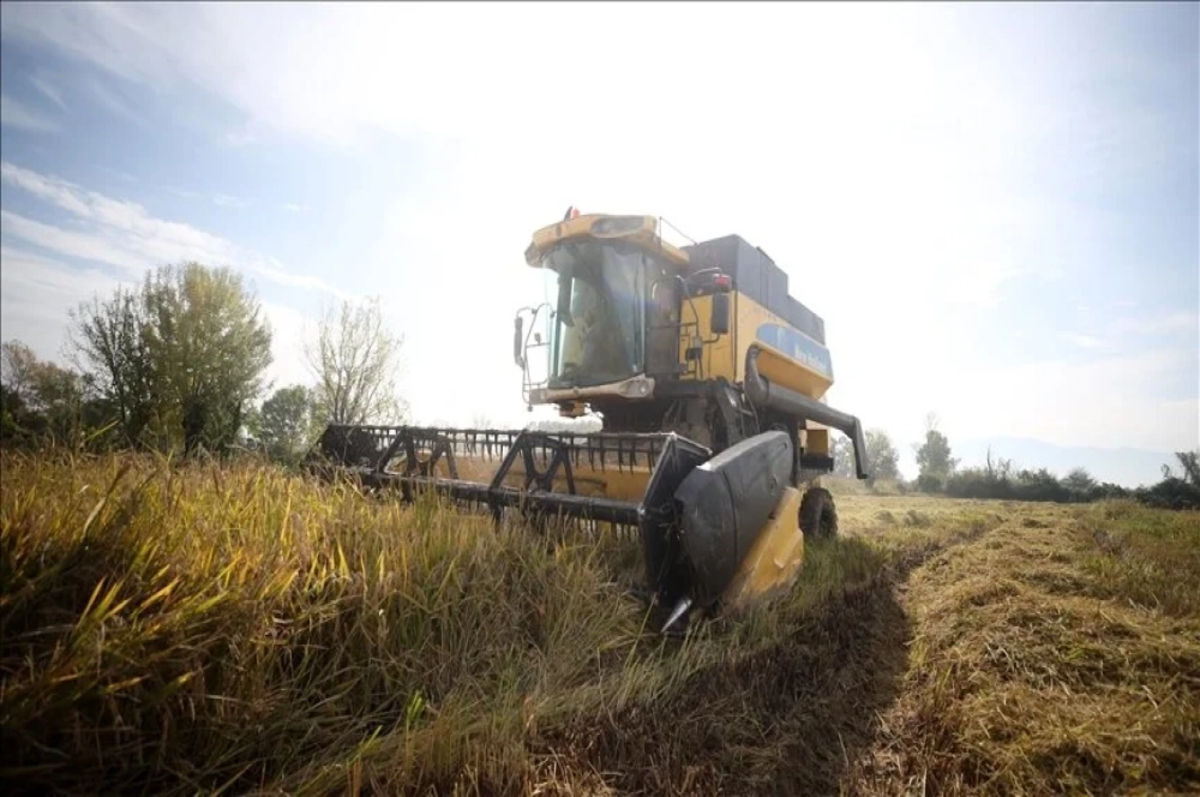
[[928, 483]]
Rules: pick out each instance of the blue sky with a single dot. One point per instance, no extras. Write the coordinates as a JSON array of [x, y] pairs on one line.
[[994, 207]]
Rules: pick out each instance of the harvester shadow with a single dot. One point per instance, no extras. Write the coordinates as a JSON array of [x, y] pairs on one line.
[[789, 718]]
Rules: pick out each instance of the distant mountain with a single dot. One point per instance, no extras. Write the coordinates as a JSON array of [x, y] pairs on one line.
[[1130, 467]]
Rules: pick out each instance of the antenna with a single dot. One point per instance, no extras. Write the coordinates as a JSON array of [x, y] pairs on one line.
[[662, 221]]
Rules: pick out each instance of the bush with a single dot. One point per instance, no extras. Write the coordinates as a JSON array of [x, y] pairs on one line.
[[928, 483], [1172, 493], [1043, 486], [978, 483], [1029, 485]]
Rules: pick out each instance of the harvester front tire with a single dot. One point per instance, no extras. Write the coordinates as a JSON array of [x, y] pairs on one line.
[[818, 515]]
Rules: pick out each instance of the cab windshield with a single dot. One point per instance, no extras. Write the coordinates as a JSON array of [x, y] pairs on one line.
[[597, 330]]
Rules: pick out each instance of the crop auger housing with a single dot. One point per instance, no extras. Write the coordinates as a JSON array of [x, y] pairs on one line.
[[709, 380]]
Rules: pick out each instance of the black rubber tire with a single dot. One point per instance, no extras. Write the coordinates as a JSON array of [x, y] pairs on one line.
[[818, 515]]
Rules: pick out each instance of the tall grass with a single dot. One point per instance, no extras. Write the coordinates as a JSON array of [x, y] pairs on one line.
[[175, 628]]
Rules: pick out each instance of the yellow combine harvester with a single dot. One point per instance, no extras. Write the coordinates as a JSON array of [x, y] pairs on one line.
[[709, 380]]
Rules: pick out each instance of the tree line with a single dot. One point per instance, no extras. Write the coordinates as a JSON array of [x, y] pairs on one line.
[[939, 472], [178, 363]]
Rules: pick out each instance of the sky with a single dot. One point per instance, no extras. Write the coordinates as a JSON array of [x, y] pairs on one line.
[[995, 208]]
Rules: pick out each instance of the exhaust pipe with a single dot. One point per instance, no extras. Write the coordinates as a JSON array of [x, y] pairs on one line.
[[762, 393]]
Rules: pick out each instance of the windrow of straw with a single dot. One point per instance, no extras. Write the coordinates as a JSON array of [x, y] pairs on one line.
[[1059, 653]]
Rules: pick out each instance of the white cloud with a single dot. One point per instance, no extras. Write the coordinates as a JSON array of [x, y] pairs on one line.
[[15, 114], [1129, 334], [1108, 402], [1092, 399], [111, 100], [289, 329], [220, 200], [1105, 402], [81, 245], [1158, 324], [226, 201], [35, 294], [124, 234], [49, 89], [1084, 341], [120, 175]]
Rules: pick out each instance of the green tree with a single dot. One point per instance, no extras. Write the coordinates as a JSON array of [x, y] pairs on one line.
[[285, 422], [109, 345], [1190, 462], [210, 346], [934, 463], [354, 360], [17, 364], [183, 356], [42, 398], [1079, 481], [882, 456]]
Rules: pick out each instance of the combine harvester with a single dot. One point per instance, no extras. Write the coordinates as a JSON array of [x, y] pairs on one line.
[[709, 380]]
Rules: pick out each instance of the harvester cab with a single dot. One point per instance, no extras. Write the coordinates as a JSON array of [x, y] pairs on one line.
[[709, 380]]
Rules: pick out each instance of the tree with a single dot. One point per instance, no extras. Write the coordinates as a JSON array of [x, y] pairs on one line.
[[843, 455], [934, 463], [1175, 492], [17, 364], [882, 455], [997, 470], [109, 346], [40, 397], [210, 348], [1190, 462], [183, 356], [13, 414], [1079, 481], [354, 360], [285, 422]]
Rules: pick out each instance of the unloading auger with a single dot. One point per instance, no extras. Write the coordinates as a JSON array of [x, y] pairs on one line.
[[709, 379]]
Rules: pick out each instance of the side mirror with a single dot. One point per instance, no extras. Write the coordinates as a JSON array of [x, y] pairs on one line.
[[718, 321], [518, 328]]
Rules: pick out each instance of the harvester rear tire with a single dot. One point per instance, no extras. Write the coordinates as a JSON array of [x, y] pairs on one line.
[[818, 515]]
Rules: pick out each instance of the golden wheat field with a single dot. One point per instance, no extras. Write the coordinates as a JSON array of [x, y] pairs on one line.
[[183, 629]]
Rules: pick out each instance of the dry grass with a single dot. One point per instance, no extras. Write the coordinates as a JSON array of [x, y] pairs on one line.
[[204, 628], [175, 629], [1059, 652]]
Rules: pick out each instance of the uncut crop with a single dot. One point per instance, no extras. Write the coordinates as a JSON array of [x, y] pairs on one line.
[[205, 626], [182, 627]]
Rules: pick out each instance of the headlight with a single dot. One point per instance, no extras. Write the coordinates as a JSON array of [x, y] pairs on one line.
[[637, 387]]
